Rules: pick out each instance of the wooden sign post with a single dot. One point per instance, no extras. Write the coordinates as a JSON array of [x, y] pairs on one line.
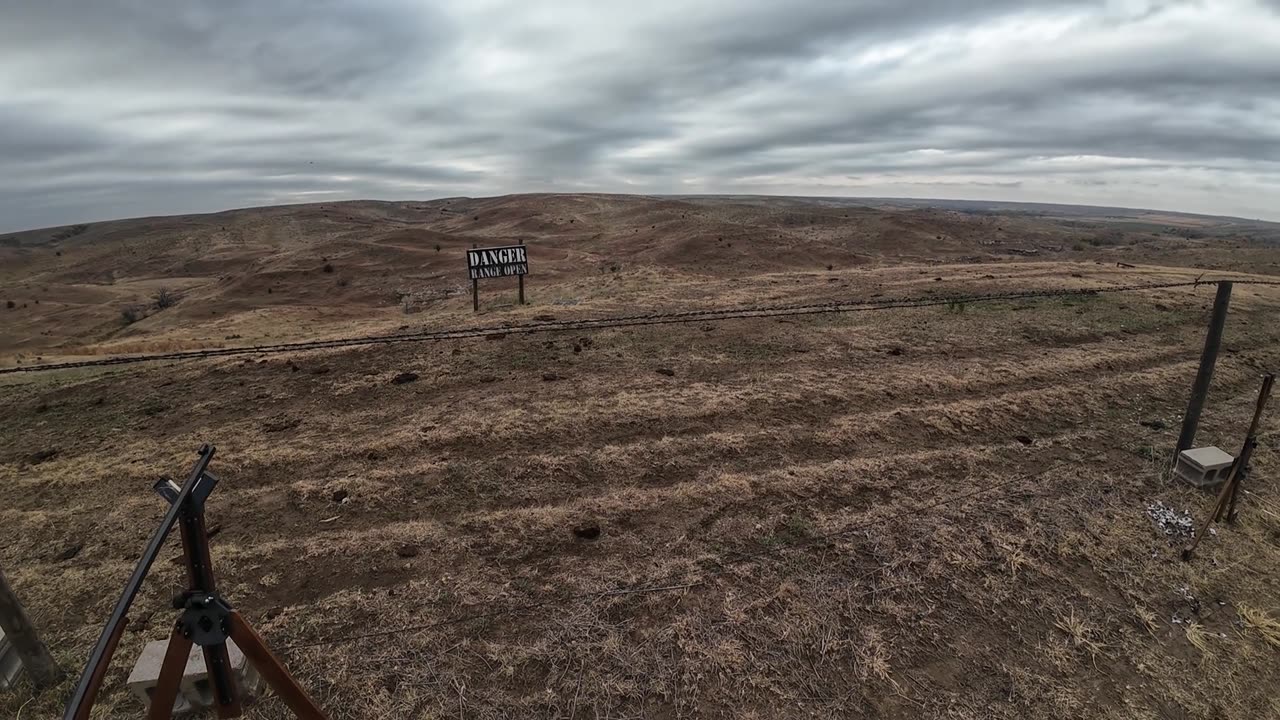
[[496, 262]]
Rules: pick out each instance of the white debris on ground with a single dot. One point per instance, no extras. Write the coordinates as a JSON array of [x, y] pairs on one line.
[[1175, 525], [1192, 610]]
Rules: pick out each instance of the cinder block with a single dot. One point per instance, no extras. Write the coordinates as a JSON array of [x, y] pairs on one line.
[[1203, 467], [195, 689], [10, 663]]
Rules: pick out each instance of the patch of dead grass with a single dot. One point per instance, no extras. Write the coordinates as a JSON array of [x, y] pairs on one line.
[[1262, 623]]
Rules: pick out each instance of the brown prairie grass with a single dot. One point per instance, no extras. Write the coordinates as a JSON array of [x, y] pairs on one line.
[[785, 484], [1146, 619], [1262, 623], [1078, 631], [1199, 639]]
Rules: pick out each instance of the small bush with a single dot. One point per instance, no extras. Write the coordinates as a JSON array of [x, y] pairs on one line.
[[10, 304], [131, 314], [343, 282], [164, 298], [328, 267], [437, 247], [71, 232]]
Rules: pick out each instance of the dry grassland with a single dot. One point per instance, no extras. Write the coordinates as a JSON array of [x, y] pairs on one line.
[[935, 512]]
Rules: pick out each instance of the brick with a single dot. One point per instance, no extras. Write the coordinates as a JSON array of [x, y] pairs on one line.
[[10, 663], [1203, 467], [195, 689]]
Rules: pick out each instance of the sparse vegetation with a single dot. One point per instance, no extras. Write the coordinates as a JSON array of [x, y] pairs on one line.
[[70, 232], [830, 515], [1108, 238], [328, 267], [164, 298], [132, 314], [1268, 628], [10, 304]]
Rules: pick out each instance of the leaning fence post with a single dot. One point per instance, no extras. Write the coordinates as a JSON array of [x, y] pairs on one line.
[[1208, 358]]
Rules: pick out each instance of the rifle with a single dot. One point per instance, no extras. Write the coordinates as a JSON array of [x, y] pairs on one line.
[[91, 679], [207, 619]]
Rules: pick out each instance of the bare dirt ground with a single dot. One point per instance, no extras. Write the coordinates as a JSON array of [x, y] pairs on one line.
[[783, 489]]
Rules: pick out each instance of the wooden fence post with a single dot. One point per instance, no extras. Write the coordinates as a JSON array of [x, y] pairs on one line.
[[1208, 358]]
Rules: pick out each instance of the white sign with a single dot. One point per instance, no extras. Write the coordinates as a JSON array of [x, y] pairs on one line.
[[497, 262]]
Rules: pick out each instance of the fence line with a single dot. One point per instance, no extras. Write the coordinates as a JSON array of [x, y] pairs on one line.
[[748, 312]]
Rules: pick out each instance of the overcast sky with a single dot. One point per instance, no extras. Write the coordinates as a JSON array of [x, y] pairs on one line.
[[117, 108]]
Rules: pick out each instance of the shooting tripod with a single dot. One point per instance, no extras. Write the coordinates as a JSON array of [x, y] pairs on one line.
[[207, 619]]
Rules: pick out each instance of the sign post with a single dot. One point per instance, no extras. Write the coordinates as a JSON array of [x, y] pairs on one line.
[[496, 262]]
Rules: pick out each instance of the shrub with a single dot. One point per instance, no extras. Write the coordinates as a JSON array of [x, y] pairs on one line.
[[71, 232], [131, 314], [328, 267], [10, 304], [164, 298]]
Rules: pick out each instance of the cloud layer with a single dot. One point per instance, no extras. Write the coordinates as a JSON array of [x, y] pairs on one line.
[[114, 108]]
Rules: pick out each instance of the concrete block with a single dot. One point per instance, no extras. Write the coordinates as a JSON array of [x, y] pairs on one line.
[[1203, 467], [195, 689], [10, 663]]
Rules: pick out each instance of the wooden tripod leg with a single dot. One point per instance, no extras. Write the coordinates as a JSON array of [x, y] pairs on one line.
[[269, 667], [171, 670]]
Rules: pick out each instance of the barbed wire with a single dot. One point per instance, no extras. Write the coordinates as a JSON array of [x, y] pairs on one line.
[[665, 583], [706, 315]]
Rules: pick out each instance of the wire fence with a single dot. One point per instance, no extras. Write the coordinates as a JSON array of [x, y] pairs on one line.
[[686, 316]]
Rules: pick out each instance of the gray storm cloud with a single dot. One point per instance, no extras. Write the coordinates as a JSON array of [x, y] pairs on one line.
[[114, 108]]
